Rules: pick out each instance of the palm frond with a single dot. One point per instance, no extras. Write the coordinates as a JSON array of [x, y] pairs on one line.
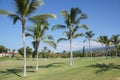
[[4, 12], [26, 7], [65, 14], [34, 5], [74, 12], [76, 28], [82, 16], [78, 11], [67, 34], [49, 37], [31, 28], [27, 34], [58, 26], [43, 30], [14, 17], [10, 15], [61, 39], [84, 26], [22, 6], [51, 43], [42, 17], [77, 35]]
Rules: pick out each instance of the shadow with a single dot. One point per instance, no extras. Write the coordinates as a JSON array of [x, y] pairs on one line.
[[17, 70], [104, 67], [13, 71], [31, 69], [52, 65]]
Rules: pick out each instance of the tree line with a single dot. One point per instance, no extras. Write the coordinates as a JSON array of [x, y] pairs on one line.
[[71, 26]]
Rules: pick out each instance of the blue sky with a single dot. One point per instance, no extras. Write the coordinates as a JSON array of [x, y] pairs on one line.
[[103, 19]]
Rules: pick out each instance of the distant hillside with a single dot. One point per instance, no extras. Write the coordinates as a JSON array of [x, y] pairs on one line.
[[95, 49]]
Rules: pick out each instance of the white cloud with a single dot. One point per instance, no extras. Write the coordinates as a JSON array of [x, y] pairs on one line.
[[76, 45], [93, 44], [66, 46]]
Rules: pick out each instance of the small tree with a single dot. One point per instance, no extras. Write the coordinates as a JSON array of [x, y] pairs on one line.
[[89, 35], [116, 42], [106, 41], [28, 51], [3, 49]]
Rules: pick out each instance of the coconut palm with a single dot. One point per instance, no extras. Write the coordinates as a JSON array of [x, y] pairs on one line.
[[89, 35], [106, 41], [24, 8], [115, 41], [100, 39], [37, 33], [72, 20]]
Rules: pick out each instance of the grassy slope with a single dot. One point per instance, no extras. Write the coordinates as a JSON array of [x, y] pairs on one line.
[[59, 69]]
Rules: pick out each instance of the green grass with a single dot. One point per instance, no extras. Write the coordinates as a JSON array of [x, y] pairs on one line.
[[59, 69]]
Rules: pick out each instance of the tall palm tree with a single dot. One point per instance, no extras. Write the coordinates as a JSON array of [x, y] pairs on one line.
[[72, 20], [24, 8], [37, 33], [89, 35], [115, 41]]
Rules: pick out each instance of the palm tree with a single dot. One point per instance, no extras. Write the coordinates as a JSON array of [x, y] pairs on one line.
[[37, 33], [72, 20], [115, 41], [89, 35], [106, 41], [100, 39], [24, 8]]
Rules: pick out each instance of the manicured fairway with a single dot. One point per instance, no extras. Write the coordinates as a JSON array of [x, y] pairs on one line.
[[59, 69]]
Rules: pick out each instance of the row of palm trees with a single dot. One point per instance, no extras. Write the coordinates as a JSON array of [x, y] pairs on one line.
[[114, 40], [24, 8]]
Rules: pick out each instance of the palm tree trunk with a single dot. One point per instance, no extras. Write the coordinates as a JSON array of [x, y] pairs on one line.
[[71, 54], [37, 61], [116, 50], [24, 44], [106, 52], [90, 49], [37, 46], [116, 53]]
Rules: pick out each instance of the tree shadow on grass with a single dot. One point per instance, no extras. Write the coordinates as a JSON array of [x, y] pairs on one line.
[[12, 71], [104, 67], [17, 70], [59, 64]]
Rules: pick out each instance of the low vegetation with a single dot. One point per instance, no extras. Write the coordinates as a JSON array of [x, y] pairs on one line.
[[59, 69]]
